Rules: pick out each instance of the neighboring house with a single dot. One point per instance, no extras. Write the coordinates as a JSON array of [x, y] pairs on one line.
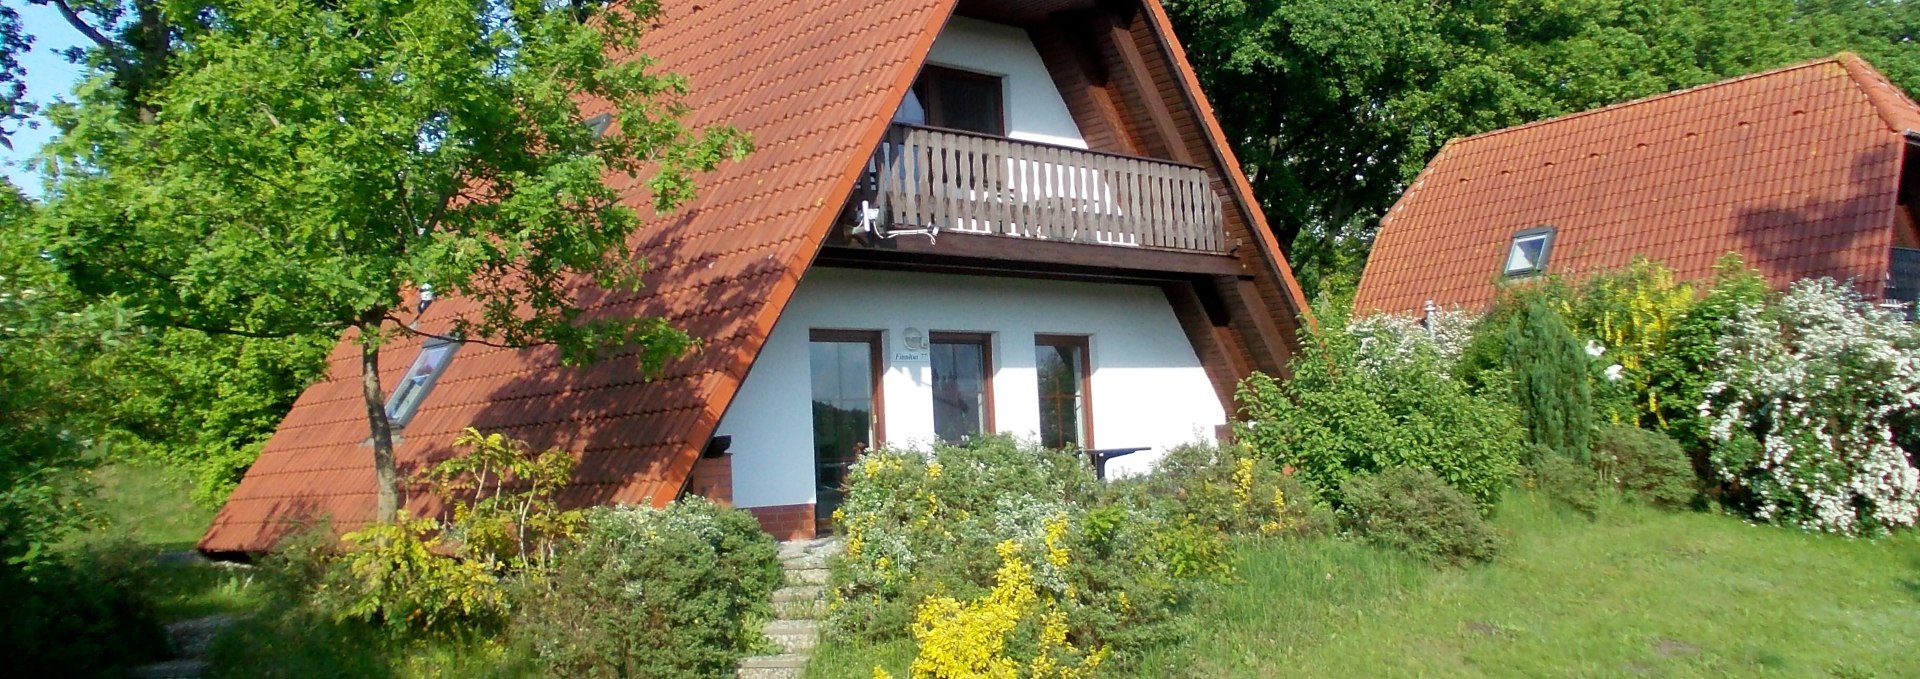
[[1804, 171], [1100, 278]]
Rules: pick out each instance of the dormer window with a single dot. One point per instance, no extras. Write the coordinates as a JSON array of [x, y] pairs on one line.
[[1528, 253], [956, 99], [434, 357]]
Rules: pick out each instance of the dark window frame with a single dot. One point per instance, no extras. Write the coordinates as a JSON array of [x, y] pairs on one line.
[[931, 96], [985, 341], [875, 341], [425, 384], [1085, 344], [1547, 233]]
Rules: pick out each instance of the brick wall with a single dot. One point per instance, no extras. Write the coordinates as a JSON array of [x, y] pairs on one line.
[[786, 522], [713, 479]]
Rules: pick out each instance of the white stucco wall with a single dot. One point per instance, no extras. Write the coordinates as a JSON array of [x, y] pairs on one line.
[[1035, 111], [1148, 388]]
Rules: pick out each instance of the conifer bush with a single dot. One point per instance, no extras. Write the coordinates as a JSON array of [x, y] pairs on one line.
[[1550, 379]]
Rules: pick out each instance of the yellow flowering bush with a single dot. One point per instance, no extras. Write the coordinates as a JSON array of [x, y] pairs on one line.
[[1630, 314], [926, 532], [979, 639]]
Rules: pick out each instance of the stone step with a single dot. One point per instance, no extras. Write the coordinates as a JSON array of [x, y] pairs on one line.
[[804, 561], [783, 666], [191, 638], [799, 609], [799, 593], [185, 668], [793, 636], [806, 576]]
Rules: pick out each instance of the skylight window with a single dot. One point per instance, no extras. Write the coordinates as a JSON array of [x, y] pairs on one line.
[[599, 124], [1528, 254], [434, 357]]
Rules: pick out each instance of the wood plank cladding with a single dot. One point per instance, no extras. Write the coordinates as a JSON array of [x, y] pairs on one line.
[[1120, 71], [1082, 80]]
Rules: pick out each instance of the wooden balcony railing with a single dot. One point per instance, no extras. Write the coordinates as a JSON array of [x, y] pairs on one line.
[[980, 184]]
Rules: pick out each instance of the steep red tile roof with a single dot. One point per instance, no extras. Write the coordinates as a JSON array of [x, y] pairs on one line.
[[1796, 168], [815, 83]]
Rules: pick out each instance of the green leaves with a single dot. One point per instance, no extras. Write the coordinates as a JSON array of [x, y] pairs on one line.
[[301, 167]]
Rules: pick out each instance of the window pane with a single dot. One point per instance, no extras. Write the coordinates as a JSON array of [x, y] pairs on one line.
[[1526, 254], [971, 104], [843, 417], [413, 386], [959, 389], [960, 100], [1062, 394]]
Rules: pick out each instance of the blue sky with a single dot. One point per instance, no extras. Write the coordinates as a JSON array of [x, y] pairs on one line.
[[48, 77]]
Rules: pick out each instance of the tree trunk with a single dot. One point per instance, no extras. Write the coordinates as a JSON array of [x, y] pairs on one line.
[[386, 476]]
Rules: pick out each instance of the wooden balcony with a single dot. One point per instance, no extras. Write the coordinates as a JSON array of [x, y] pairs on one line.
[[934, 185]]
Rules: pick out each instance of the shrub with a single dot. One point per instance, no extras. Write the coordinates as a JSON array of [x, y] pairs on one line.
[[1014, 630], [1230, 490], [1681, 374], [1803, 411], [1568, 482], [1647, 466], [1336, 419], [399, 575], [674, 592], [1550, 379], [930, 526], [1633, 313], [1413, 510], [448, 577], [81, 612]]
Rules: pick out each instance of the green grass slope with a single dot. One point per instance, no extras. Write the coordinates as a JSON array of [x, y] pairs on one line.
[[1636, 593]]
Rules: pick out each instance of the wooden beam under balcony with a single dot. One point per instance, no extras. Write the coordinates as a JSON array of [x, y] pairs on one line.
[[960, 252]]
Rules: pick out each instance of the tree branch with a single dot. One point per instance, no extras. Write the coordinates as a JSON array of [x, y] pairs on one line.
[[82, 26], [463, 340]]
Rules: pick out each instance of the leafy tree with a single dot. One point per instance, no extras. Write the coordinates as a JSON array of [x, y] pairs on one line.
[[13, 89], [54, 362], [205, 403], [1335, 105], [1550, 379], [304, 165]]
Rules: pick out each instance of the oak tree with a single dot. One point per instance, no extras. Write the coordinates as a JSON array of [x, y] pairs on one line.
[[302, 168]]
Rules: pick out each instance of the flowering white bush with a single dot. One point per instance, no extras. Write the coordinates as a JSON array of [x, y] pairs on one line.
[[1393, 339], [1803, 409]]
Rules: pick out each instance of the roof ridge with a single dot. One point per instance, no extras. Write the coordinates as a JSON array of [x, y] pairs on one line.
[[1890, 102], [1834, 59]]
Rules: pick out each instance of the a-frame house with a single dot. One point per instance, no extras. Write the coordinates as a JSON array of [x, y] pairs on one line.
[[984, 216]]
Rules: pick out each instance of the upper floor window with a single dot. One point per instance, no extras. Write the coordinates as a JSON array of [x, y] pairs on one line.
[[434, 357], [1529, 251], [956, 99]]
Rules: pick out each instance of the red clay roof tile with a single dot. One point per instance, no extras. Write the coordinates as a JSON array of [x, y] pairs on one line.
[[1796, 168]]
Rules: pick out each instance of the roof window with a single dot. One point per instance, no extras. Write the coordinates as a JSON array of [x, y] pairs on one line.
[[434, 357], [1528, 254]]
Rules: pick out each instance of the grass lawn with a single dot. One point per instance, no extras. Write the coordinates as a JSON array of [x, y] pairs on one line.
[[1637, 592], [147, 510]]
